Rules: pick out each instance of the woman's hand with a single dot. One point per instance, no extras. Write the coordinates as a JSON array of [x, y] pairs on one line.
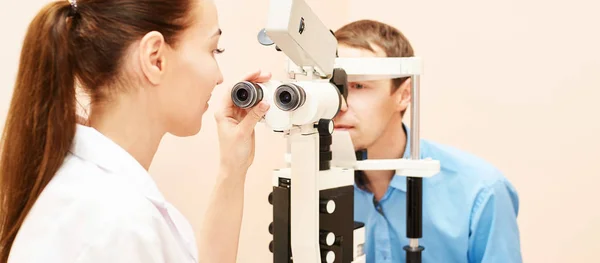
[[235, 127], [221, 229]]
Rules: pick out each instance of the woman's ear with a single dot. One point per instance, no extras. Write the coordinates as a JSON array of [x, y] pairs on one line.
[[402, 95], [152, 56]]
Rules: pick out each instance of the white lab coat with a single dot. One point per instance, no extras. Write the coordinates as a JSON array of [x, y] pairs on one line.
[[103, 207]]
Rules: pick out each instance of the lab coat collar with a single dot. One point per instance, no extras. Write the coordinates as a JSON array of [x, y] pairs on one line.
[[90, 145]]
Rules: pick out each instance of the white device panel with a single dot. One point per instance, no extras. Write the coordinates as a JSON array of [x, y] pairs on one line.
[[298, 32]]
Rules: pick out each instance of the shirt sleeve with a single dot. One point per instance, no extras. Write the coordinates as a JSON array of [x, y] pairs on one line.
[[495, 234]]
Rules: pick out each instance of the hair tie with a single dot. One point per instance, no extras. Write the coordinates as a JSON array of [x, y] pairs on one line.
[[73, 10]]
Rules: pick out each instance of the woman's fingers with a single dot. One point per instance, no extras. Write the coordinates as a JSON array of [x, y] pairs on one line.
[[255, 114], [253, 75], [263, 77]]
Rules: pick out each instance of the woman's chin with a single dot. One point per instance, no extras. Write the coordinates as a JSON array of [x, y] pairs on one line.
[[186, 125], [188, 129]]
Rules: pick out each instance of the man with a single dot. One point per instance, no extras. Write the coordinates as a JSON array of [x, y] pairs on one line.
[[469, 208]]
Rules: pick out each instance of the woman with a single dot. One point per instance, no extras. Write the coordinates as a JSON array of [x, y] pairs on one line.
[[74, 193]]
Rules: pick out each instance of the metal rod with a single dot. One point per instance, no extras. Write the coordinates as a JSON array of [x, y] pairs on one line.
[[414, 185], [414, 119], [413, 242]]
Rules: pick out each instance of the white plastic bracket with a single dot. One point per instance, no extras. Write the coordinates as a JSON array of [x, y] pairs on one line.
[[403, 167], [374, 68], [344, 157]]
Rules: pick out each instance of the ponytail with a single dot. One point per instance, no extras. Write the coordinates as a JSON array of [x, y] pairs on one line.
[[41, 120], [86, 42]]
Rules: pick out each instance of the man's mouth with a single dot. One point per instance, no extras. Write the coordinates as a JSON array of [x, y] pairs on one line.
[[343, 127]]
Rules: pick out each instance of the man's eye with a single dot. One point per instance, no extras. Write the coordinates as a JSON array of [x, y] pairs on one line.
[[358, 86]]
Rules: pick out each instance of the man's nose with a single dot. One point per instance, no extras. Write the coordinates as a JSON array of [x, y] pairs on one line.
[[344, 105]]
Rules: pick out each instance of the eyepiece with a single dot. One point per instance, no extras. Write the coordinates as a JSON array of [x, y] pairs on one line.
[[289, 97], [246, 94]]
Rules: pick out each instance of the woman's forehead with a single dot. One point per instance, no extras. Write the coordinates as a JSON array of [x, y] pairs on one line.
[[206, 16]]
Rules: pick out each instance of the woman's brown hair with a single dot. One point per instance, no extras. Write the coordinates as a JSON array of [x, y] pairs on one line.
[[65, 44]]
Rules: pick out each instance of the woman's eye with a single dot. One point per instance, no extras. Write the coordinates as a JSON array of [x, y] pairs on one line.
[[219, 50]]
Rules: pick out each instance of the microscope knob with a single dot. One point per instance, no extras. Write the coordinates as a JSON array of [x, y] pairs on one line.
[[328, 256], [327, 238], [327, 206], [263, 38], [271, 198], [325, 127]]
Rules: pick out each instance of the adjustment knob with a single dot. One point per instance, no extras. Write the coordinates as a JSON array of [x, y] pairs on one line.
[[327, 206], [263, 38], [327, 256], [327, 238], [271, 198], [325, 127]]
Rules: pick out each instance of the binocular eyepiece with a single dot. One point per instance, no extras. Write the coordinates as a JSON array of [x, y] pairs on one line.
[[246, 94], [287, 97], [297, 103]]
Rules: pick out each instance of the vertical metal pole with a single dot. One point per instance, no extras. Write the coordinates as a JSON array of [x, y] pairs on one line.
[[414, 185]]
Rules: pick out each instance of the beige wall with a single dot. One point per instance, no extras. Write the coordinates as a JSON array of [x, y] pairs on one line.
[[511, 81], [516, 82]]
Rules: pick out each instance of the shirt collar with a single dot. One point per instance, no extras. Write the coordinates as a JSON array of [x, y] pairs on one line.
[[90, 145], [399, 181]]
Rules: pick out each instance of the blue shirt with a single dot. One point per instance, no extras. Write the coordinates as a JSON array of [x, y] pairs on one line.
[[469, 213]]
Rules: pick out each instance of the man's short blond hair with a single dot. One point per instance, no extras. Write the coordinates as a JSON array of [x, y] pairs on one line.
[[365, 33]]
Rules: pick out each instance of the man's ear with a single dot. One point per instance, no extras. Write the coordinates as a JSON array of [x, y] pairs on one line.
[[402, 96], [152, 56]]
